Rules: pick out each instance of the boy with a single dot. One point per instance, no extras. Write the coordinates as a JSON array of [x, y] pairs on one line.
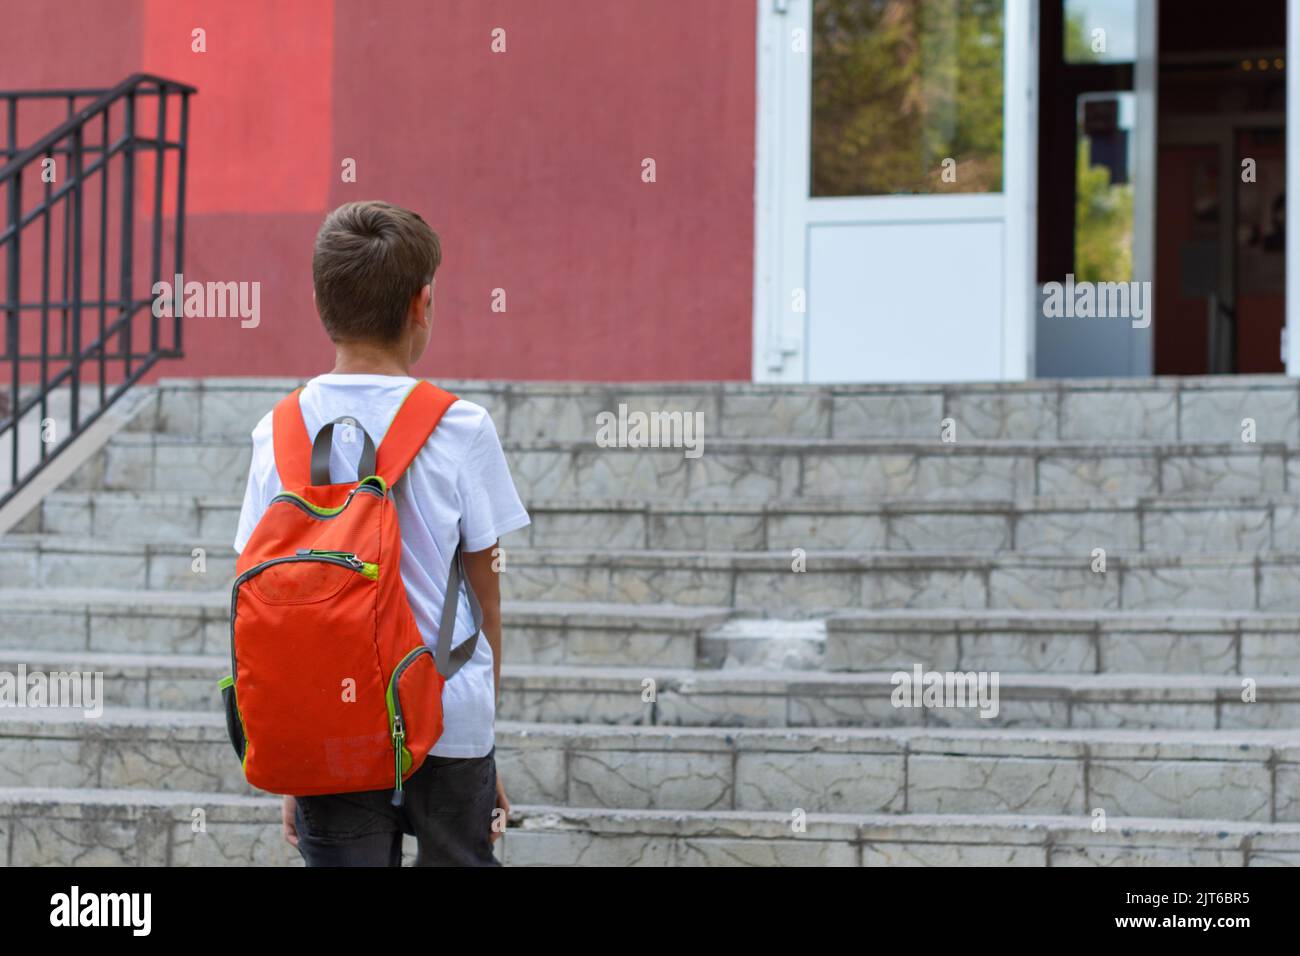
[[373, 270]]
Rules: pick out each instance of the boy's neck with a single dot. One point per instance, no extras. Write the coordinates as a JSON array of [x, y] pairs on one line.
[[359, 358]]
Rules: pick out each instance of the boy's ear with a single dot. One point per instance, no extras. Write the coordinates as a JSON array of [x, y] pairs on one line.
[[421, 312]]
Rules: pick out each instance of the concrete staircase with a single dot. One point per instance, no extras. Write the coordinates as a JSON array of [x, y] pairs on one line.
[[1147, 714]]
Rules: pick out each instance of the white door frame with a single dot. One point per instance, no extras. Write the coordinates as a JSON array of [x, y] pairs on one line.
[[783, 209], [1020, 188], [1144, 160]]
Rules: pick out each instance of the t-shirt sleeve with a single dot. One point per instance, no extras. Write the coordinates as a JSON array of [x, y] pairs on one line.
[[259, 491], [490, 505]]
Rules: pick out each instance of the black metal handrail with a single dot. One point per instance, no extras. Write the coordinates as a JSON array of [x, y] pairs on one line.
[[46, 185]]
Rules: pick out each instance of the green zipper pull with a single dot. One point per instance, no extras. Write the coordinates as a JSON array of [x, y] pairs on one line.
[[399, 737]]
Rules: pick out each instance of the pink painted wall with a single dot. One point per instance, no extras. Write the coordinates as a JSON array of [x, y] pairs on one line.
[[527, 163]]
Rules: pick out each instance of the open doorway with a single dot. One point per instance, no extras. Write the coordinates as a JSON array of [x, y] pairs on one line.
[[1221, 190], [1207, 214]]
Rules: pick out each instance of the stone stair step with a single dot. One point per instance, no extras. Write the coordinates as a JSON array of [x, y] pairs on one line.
[[762, 697], [771, 698], [550, 836], [1043, 524], [1176, 774], [82, 827], [776, 468], [1237, 775], [1193, 408], [115, 621], [1050, 641], [1247, 643], [61, 827], [757, 581]]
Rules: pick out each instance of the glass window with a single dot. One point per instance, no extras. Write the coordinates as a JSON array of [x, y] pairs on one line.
[[906, 97]]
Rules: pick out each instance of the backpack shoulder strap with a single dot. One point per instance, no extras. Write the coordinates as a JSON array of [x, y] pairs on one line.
[[448, 661], [411, 427], [291, 443], [418, 416]]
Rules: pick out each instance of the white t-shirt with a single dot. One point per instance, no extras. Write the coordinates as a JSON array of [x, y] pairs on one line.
[[458, 488]]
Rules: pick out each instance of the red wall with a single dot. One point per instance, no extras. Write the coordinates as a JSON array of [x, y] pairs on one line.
[[527, 163]]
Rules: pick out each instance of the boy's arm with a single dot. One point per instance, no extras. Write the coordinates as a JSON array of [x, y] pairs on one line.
[[482, 575], [489, 508], [487, 588]]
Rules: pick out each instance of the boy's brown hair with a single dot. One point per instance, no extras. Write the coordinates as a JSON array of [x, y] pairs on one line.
[[370, 260]]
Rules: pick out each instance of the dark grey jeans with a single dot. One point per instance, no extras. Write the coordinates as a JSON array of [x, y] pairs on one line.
[[448, 808]]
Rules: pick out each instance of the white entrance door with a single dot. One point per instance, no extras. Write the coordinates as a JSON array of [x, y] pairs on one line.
[[895, 190]]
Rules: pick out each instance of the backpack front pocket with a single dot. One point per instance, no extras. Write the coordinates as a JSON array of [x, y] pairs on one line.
[[310, 685], [279, 581]]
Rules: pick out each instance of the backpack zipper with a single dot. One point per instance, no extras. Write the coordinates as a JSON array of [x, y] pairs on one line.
[[324, 514], [394, 699], [399, 743], [349, 557]]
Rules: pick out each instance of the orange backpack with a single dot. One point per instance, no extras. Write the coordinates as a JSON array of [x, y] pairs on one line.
[[332, 688]]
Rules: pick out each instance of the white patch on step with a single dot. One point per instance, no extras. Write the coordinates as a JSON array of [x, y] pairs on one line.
[[766, 643]]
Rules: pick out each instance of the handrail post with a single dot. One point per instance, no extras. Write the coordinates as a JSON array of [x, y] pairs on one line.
[[75, 397], [13, 262], [182, 149], [14, 268], [160, 161], [103, 260], [128, 227]]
